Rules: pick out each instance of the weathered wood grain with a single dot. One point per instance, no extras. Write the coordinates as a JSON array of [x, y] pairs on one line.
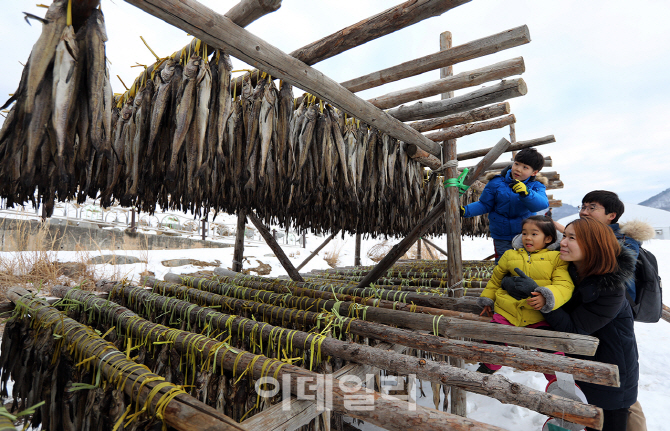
[[507, 89], [503, 69], [515, 147], [477, 48], [469, 129]]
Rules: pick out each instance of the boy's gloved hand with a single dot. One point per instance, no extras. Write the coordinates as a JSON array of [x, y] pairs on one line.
[[524, 283], [519, 188], [461, 210], [509, 285]]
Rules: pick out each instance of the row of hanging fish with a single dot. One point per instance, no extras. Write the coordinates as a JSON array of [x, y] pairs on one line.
[[182, 139]]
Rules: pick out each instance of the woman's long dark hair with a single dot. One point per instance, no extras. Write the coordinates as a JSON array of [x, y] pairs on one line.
[[598, 244]]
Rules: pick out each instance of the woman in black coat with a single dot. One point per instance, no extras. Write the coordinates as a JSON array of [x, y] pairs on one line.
[[600, 268]]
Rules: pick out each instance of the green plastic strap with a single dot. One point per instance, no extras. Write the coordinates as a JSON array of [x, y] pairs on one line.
[[458, 182]]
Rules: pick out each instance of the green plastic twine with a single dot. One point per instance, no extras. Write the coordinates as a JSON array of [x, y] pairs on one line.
[[458, 182]]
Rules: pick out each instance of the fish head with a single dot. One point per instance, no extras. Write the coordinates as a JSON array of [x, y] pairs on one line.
[[168, 70], [246, 87], [271, 93], [192, 67]]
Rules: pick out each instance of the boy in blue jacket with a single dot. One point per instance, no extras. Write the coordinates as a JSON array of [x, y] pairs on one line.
[[510, 198]]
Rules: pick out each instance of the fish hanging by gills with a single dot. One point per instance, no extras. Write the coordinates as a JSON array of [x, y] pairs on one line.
[[185, 110], [64, 96], [225, 67], [267, 123]]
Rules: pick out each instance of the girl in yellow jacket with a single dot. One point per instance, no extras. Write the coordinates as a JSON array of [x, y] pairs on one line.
[[528, 280]]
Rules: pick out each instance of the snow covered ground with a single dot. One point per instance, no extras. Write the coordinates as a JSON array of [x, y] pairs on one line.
[[653, 339]]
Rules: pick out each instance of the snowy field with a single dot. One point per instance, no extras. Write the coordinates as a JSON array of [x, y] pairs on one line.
[[653, 339]]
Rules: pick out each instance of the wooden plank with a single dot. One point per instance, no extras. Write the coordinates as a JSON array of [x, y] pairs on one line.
[[423, 157], [441, 250], [357, 250], [469, 129], [219, 32], [484, 96], [665, 313], [478, 114], [318, 249], [502, 165], [276, 248], [477, 48], [424, 225], [389, 21], [494, 72], [518, 146]]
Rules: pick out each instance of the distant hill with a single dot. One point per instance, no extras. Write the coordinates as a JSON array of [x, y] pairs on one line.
[[563, 211], [660, 201]]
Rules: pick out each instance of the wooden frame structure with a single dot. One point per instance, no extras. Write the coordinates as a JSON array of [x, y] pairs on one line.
[[479, 110]]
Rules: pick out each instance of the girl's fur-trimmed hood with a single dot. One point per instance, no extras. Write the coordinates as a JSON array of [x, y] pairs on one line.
[[638, 230]]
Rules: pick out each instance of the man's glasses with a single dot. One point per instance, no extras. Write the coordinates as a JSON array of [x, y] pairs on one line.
[[589, 208]]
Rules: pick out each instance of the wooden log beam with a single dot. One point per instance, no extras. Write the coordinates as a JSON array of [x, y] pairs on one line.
[[665, 313], [238, 253], [590, 371], [469, 129], [182, 413], [389, 21], [479, 114], [423, 157], [494, 72], [555, 203], [554, 185], [515, 147], [477, 48], [447, 326], [318, 249], [441, 250], [219, 32], [506, 89], [389, 413], [276, 248], [502, 165]]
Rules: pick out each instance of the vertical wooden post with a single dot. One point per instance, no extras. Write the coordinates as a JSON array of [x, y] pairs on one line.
[[132, 220], [304, 239], [418, 249], [204, 229], [357, 254], [238, 254], [454, 259]]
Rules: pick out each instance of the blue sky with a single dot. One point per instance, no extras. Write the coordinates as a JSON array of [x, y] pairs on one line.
[[596, 71]]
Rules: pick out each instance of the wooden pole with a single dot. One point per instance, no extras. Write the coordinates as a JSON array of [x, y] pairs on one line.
[[430, 253], [218, 31], [469, 129], [506, 89], [276, 249], [450, 83], [478, 114], [381, 24], [447, 326], [357, 251], [477, 48], [423, 157], [182, 413], [418, 249], [318, 249], [424, 225], [204, 230], [665, 313], [518, 146], [590, 371], [451, 207], [502, 165], [436, 247], [238, 254]]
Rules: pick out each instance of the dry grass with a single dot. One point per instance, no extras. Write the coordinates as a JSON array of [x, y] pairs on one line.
[[378, 251], [38, 268], [332, 256]]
